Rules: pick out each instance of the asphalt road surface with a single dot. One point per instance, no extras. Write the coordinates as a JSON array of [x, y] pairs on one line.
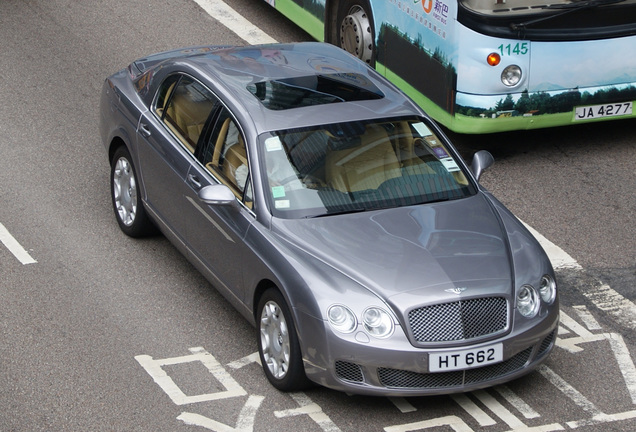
[[100, 332]]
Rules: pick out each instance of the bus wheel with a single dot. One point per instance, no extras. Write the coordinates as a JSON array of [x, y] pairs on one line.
[[355, 33]]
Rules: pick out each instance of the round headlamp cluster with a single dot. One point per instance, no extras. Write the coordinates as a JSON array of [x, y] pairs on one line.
[[511, 75], [342, 319], [376, 321], [529, 298]]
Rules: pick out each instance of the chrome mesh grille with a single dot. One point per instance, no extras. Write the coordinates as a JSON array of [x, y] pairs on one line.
[[395, 378], [460, 320], [546, 344], [349, 371]]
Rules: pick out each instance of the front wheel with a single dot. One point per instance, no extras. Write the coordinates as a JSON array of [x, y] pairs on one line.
[[278, 344], [129, 211], [355, 30]]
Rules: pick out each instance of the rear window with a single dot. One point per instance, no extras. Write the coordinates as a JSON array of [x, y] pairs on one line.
[[287, 93]]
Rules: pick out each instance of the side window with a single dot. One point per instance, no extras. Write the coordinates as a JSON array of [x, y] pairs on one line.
[[184, 105], [226, 156]]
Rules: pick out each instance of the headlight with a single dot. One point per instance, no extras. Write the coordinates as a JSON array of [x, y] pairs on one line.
[[547, 289], [342, 319], [527, 301], [377, 322], [511, 75]]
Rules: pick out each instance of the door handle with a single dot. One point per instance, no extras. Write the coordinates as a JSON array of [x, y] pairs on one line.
[[144, 129], [194, 181]]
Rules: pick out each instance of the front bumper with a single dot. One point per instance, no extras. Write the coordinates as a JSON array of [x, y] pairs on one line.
[[478, 114], [397, 368]]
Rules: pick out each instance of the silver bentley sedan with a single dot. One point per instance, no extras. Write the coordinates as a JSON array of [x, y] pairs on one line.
[[333, 214]]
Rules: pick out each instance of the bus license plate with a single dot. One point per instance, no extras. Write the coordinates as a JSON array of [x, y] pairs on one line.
[[599, 111], [465, 359]]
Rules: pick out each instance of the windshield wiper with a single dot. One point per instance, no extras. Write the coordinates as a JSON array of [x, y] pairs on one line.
[[565, 8], [340, 211]]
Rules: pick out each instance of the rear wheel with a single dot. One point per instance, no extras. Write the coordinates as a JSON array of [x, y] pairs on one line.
[[278, 344], [355, 30], [129, 211]]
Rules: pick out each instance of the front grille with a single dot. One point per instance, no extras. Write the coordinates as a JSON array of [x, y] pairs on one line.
[[546, 344], [349, 371], [395, 378], [459, 321]]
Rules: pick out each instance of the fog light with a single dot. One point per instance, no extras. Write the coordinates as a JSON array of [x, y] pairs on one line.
[[511, 75]]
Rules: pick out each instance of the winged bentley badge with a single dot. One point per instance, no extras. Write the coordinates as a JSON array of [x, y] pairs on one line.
[[456, 290]]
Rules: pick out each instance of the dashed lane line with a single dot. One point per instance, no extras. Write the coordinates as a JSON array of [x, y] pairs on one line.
[[235, 22], [14, 247]]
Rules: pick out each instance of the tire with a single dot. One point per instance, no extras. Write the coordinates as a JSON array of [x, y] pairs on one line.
[[355, 31], [278, 344], [124, 191]]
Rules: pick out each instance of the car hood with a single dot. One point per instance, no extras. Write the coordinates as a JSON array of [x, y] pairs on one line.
[[412, 255]]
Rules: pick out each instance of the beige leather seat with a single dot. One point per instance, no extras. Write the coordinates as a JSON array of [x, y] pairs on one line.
[[229, 154], [365, 166], [188, 116]]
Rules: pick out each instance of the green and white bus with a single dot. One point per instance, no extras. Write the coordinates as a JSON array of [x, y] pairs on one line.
[[481, 66]]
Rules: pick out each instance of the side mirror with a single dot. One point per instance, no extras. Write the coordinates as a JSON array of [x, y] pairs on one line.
[[217, 195], [482, 160]]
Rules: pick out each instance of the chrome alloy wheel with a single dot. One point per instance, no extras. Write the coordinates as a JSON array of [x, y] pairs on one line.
[[356, 36], [275, 340], [125, 191]]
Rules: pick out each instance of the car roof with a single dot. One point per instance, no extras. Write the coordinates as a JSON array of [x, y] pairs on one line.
[[230, 71]]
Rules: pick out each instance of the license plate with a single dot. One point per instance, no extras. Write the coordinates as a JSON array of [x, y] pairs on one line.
[[599, 111], [465, 359]]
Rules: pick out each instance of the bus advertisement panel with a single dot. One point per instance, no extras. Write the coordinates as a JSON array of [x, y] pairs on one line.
[[481, 66]]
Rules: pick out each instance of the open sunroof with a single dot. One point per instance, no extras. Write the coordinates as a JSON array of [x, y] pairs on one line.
[[282, 94]]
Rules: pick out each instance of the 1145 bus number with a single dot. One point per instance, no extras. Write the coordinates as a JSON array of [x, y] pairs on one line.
[[520, 48]]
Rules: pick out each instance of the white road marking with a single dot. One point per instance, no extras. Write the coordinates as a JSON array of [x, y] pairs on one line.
[[457, 424], [610, 301], [519, 404], [575, 395], [617, 344], [402, 404], [473, 410], [625, 363], [587, 318], [606, 418], [245, 422], [558, 257], [154, 369], [235, 22], [310, 408], [14, 247], [584, 335], [252, 358], [602, 295], [498, 409]]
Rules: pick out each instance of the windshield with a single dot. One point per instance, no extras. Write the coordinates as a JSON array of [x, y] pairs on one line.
[[358, 166], [524, 7], [550, 20]]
